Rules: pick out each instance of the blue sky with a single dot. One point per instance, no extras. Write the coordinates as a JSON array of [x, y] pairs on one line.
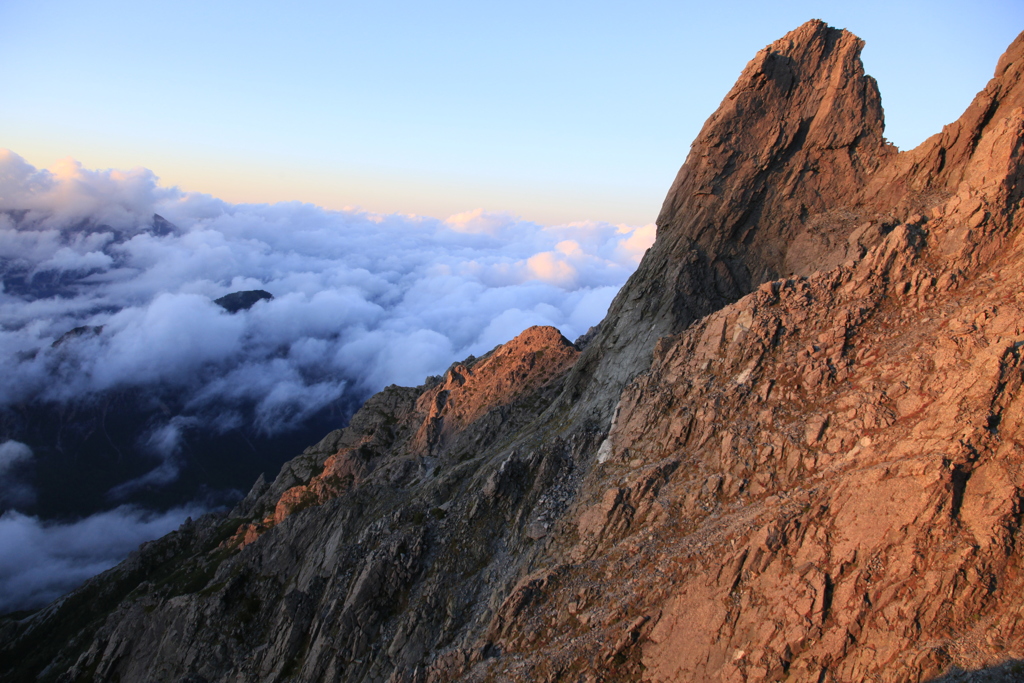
[[553, 111]]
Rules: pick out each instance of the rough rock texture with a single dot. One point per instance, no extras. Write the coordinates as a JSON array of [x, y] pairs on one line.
[[763, 193], [792, 451], [449, 418]]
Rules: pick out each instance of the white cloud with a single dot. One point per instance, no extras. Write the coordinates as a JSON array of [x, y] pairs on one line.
[[480, 222], [12, 453], [360, 300], [40, 561], [67, 258], [14, 490]]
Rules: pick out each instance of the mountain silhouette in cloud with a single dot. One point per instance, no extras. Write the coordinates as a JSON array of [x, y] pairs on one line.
[[241, 301]]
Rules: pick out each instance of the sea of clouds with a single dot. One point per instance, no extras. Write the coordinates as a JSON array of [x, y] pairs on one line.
[[39, 562], [361, 300]]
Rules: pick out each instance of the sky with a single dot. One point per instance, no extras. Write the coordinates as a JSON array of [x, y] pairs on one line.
[[551, 111]]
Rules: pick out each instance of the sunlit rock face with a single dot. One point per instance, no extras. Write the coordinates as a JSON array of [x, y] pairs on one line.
[[789, 452]]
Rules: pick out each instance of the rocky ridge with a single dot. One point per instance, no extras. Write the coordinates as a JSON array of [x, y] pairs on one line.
[[791, 451]]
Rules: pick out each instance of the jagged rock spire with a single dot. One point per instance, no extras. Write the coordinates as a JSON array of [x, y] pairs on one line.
[[800, 129], [761, 195]]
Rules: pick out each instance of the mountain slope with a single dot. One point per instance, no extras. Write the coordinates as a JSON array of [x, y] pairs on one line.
[[792, 449]]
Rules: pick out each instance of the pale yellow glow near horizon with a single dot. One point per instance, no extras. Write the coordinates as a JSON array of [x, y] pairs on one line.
[[377, 191]]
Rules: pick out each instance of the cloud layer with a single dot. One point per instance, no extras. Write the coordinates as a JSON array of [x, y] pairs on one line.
[[41, 561], [361, 300], [131, 269]]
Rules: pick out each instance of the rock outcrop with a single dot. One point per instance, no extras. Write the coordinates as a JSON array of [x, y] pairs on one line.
[[765, 192], [791, 451], [240, 301]]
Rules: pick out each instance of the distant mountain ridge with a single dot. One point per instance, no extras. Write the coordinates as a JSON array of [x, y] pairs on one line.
[[791, 451]]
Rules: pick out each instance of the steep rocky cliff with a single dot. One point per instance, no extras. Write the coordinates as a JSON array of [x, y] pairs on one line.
[[791, 451]]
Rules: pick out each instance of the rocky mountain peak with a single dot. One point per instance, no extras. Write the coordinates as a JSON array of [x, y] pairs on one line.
[[469, 390], [799, 130], [766, 191], [242, 301], [978, 153], [402, 433]]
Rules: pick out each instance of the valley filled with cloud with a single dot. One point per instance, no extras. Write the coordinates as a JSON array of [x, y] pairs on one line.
[[130, 393]]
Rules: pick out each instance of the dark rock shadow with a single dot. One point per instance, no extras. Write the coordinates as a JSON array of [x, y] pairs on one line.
[[1009, 671]]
